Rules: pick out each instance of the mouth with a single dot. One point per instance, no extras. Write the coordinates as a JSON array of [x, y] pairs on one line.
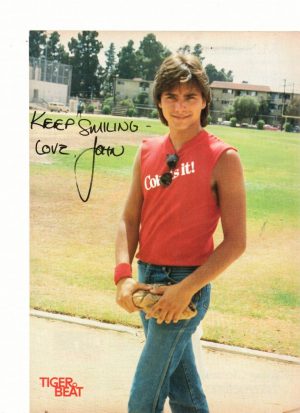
[[180, 116]]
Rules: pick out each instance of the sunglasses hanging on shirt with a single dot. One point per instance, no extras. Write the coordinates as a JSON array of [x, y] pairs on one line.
[[166, 178]]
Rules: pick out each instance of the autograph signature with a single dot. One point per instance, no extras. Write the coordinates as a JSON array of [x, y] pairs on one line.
[[97, 151]]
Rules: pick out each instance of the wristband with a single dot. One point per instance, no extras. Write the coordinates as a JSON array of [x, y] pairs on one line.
[[122, 270]]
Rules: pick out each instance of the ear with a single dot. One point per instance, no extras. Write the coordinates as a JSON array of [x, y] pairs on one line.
[[203, 104], [159, 104]]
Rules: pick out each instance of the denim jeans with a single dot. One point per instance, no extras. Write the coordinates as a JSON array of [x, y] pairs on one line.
[[167, 367]]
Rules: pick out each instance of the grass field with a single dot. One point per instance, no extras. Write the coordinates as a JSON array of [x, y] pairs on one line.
[[255, 303]]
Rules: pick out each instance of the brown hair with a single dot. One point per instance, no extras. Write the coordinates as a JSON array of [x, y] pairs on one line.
[[181, 68]]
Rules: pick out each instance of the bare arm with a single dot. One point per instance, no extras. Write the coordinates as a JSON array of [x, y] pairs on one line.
[[128, 236], [128, 231], [228, 177]]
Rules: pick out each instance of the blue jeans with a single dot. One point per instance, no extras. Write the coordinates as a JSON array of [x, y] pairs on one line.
[[166, 367]]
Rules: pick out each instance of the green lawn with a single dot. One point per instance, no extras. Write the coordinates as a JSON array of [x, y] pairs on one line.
[[255, 303]]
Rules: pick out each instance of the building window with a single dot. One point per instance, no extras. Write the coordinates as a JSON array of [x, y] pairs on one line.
[[253, 93]]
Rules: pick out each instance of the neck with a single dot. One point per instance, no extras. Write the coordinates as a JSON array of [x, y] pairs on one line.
[[178, 138]]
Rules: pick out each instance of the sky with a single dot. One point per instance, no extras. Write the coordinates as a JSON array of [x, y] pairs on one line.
[[259, 57]]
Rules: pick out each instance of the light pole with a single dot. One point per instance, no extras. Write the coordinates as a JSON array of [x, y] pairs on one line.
[[115, 87], [45, 56]]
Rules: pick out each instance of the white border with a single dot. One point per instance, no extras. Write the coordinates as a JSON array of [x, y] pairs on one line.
[[17, 20]]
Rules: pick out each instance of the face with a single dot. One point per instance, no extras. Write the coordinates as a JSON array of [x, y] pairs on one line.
[[182, 106]]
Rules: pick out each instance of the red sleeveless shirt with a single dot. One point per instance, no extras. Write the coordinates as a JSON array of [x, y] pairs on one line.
[[178, 221]]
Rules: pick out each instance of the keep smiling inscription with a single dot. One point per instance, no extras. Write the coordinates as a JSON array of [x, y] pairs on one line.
[[86, 128]]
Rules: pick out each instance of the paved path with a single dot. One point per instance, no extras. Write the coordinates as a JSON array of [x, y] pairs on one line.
[[103, 362]]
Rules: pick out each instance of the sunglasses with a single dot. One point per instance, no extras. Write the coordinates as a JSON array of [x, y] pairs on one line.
[[166, 178]]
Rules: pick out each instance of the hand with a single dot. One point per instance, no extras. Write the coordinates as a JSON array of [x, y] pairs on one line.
[[174, 300], [125, 288]]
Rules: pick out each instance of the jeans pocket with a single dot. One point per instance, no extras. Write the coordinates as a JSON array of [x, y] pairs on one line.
[[143, 272], [202, 298], [205, 295]]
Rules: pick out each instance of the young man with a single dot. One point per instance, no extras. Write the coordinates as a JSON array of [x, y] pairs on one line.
[[182, 184]]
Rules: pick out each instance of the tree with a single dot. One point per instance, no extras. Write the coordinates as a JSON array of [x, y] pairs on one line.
[[150, 55], [245, 108], [37, 42], [109, 71], [293, 108], [211, 72], [55, 50], [264, 109], [84, 59], [127, 65], [184, 49], [197, 50], [100, 74], [214, 74], [226, 77]]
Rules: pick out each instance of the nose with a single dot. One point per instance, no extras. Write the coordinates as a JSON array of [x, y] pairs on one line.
[[180, 105]]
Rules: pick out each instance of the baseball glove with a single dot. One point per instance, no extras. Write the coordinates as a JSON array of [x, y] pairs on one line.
[[144, 300]]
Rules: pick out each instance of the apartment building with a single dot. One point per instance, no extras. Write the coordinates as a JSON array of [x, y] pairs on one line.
[[224, 93]]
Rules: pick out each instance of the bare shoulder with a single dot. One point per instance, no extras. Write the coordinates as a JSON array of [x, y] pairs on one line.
[[228, 166], [229, 157]]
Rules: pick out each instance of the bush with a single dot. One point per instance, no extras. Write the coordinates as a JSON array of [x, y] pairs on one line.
[[128, 103], [131, 112], [142, 98], [229, 112], [233, 122], [108, 102], [288, 127], [90, 109], [209, 119], [106, 110], [154, 114], [260, 124]]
